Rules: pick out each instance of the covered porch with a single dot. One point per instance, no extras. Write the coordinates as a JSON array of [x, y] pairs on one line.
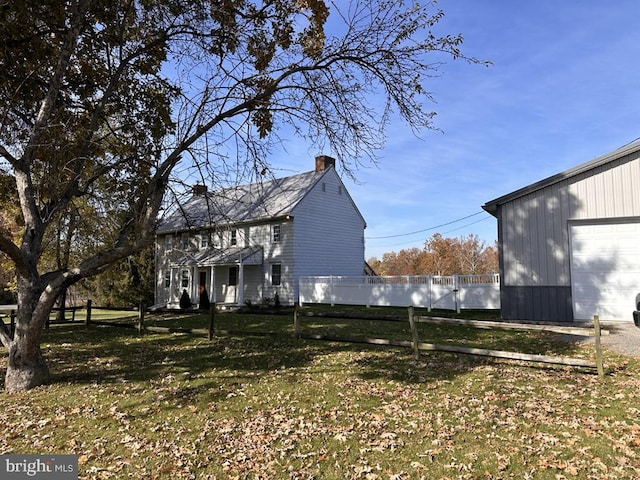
[[225, 277]]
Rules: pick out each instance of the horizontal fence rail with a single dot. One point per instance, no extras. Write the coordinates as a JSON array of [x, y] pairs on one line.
[[453, 292]]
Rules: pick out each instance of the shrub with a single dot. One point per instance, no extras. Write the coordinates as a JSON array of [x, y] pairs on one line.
[[204, 301], [185, 300]]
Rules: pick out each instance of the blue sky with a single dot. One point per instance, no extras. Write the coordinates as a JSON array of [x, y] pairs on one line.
[[564, 88]]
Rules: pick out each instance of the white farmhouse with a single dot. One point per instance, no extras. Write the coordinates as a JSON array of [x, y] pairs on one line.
[[252, 242]]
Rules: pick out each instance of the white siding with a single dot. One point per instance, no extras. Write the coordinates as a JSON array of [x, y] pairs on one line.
[[329, 231], [281, 252], [324, 235]]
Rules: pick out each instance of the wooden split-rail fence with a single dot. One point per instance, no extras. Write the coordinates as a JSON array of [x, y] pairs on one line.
[[419, 346], [414, 343]]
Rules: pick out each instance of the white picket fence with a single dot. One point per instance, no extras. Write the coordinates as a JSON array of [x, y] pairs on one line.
[[453, 292]]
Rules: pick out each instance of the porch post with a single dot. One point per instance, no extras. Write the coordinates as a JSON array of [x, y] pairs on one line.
[[195, 297], [212, 285], [240, 286]]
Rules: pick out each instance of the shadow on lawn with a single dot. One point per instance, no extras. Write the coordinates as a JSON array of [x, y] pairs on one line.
[[111, 355]]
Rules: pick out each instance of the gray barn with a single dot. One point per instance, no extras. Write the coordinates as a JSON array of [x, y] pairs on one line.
[[570, 244]]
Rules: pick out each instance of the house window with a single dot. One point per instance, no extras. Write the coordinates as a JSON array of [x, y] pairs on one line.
[[168, 242], [167, 278], [185, 279], [217, 240], [185, 240], [234, 237], [233, 276], [204, 239], [276, 233], [276, 274]]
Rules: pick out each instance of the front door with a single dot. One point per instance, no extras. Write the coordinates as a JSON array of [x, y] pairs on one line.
[[203, 294]]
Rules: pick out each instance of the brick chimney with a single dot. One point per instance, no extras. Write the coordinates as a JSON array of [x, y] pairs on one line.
[[323, 162], [199, 189]]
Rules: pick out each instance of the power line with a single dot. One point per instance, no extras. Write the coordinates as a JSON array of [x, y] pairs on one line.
[[426, 229], [396, 245]]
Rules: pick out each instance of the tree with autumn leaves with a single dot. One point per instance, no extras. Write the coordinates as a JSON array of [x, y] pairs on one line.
[[466, 255], [107, 104]]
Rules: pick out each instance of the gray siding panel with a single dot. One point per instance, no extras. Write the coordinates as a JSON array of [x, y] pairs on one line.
[[533, 232], [534, 227], [544, 304], [609, 191]]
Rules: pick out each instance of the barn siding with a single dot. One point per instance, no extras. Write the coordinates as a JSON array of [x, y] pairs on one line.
[[545, 304], [534, 235]]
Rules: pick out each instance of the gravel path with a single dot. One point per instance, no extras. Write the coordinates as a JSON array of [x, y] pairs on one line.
[[624, 337]]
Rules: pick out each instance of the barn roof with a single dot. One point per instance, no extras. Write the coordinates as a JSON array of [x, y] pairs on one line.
[[244, 203], [633, 147]]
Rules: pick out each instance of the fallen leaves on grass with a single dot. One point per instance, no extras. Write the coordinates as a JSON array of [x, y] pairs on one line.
[[331, 413]]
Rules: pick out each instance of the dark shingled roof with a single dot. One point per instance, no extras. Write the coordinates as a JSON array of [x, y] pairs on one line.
[[245, 203]]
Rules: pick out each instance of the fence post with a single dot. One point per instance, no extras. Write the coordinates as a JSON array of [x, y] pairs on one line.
[[331, 289], [87, 319], [596, 327], [296, 322], [212, 318], [414, 334], [12, 324], [141, 317], [456, 292]]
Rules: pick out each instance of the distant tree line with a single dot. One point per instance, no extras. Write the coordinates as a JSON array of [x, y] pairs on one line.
[[440, 256]]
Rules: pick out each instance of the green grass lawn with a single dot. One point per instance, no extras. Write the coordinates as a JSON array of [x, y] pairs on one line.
[[269, 406]]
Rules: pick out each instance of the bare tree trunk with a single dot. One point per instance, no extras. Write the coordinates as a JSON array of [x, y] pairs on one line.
[[27, 367]]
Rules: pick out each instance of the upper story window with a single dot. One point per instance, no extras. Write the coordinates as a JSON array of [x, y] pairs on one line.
[[184, 239], [216, 239], [168, 242], [275, 233], [234, 237], [204, 239]]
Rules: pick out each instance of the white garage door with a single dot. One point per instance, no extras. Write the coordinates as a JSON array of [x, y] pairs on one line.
[[605, 270]]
